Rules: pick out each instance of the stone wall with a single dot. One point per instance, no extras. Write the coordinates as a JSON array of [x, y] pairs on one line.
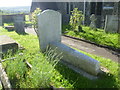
[[9, 18]]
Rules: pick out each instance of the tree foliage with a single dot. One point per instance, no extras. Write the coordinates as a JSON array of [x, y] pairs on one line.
[[35, 19], [76, 19]]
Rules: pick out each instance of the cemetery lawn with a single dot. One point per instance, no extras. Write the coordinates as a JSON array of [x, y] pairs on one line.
[[45, 73], [98, 36]]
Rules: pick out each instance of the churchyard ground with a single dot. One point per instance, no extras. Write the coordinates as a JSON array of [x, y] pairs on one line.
[[59, 76]]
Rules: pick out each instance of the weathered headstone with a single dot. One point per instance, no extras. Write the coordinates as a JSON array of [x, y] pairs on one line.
[[93, 21], [0, 20], [19, 23], [111, 24], [49, 30], [49, 25]]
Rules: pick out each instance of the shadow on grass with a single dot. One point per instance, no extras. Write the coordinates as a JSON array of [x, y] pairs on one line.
[[78, 81]]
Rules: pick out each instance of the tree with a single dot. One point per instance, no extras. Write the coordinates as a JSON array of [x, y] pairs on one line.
[[76, 20], [35, 19]]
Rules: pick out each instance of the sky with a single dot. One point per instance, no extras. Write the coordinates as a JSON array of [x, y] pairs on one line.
[[14, 3]]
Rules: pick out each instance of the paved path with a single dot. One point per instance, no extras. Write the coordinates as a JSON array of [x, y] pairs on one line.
[[84, 46]]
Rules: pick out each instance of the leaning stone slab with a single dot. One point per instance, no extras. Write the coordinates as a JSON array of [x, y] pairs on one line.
[[77, 59], [7, 43], [49, 32]]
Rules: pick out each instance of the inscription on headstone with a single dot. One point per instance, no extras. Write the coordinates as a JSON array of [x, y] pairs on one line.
[[19, 23]]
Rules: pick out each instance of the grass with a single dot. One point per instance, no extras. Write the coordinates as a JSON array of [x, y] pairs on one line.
[[45, 73], [27, 21], [98, 36], [8, 24]]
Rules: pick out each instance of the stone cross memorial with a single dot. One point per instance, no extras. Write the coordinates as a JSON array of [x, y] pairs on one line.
[[93, 20], [19, 23], [49, 30]]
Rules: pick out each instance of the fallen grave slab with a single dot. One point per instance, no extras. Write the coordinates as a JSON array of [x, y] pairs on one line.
[[77, 59], [49, 31], [7, 43]]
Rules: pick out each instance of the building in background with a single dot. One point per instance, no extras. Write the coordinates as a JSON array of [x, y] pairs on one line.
[[100, 9]]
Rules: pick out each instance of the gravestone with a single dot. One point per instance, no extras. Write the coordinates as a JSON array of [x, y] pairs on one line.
[[49, 25], [0, 20], [6, 43], [49, 30], [19, 23], [111, 24], [93, 21]]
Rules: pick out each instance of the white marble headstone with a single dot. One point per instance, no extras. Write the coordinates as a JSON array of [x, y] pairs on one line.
[[49, 28]]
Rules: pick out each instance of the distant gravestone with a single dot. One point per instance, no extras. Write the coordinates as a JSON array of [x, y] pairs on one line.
[[49, 25], [93, 21], [0, 20], [49, 32], [111, 24], [19, 23]]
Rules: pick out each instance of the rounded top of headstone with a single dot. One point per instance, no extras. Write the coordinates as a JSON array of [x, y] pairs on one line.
[[49, 11]]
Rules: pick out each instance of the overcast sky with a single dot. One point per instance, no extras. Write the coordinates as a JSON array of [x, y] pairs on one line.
[[14, 3]]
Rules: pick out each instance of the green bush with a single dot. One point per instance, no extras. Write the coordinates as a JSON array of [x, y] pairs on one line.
[[35, 19], [76, 20]]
